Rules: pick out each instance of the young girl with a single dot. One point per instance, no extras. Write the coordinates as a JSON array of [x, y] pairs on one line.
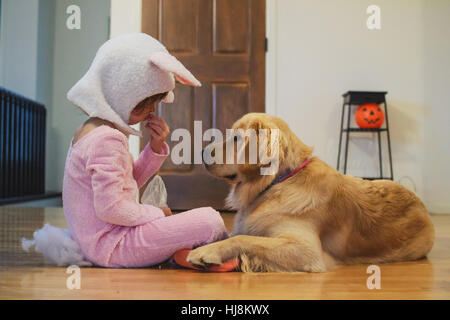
[[129, 76]]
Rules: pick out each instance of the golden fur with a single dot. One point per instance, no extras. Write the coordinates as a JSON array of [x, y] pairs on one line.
[[318, 218]]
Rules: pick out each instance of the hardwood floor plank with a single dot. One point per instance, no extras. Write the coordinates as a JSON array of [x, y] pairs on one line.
[[27, 276]]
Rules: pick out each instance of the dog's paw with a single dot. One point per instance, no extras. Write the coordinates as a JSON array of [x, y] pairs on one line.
[[204, 257]]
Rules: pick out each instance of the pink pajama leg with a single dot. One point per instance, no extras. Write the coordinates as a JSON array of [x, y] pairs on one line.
[[157, 241]]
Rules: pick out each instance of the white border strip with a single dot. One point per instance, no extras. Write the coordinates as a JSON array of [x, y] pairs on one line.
[[126, 17], [271, 57]]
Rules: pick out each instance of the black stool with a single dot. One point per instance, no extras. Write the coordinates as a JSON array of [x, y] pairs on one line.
[[359, 98]]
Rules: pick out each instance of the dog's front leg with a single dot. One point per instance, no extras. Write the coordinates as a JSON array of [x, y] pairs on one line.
[[284, 253], [214, 253]]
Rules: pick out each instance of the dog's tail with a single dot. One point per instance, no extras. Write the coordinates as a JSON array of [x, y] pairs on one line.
[[56, 245]]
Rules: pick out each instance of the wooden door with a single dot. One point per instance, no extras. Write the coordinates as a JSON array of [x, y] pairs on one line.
[[222, 42]]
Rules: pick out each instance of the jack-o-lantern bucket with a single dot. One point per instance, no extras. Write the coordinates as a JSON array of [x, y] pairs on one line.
[[369, 116]]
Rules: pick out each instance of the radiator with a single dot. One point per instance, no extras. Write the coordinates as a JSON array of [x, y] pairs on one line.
[[22, 146]]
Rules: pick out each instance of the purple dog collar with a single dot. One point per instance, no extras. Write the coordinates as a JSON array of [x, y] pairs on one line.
[[289, 174], [284, 177]]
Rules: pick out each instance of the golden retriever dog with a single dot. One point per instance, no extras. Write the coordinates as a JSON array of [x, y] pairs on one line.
[[317, 218]]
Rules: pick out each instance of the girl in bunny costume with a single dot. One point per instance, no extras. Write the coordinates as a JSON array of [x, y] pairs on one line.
[[128, 77]]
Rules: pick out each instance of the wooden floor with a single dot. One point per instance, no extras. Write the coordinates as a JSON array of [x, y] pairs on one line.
[[28, 276]]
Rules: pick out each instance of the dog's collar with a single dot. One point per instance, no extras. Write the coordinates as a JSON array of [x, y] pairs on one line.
[[287, 174], [284, 176]]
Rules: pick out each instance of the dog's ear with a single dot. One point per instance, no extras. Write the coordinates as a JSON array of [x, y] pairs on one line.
[[169, 63], [270, 143]]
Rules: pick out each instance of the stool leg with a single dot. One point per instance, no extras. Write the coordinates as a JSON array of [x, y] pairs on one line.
[[340, 137], [347, 137], [379, 154], [388, 140]]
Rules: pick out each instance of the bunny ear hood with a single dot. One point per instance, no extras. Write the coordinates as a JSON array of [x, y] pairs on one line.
[[126, 70], [169, 63]]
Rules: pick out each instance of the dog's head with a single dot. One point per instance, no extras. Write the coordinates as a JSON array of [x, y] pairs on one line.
[[254, 152]]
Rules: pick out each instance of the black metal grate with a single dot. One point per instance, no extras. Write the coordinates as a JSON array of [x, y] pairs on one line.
[[22, 146]]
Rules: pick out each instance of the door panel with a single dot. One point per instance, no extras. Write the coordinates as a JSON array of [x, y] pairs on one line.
[[226, 96], [179, 116], [222, 42], [178, 23], [231, 26]]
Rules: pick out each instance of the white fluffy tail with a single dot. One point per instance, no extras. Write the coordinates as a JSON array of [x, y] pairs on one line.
[[57, 245]]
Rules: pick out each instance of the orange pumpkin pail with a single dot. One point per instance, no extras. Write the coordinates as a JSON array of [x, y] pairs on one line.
[[369, 116]]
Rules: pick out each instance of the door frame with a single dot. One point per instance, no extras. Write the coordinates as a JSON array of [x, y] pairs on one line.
[[271, 57], [126, 17]]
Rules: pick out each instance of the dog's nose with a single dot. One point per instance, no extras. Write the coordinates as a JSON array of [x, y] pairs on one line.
[[203, 154]]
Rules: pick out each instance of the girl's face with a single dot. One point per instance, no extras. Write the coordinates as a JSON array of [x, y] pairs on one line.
[[145, 108]]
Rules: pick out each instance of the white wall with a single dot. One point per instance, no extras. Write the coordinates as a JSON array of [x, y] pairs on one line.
[[44, 57], [126, 17], [26, 53], [323, 49], [436, 82], [73, 53], [19, 46], [41, 59]]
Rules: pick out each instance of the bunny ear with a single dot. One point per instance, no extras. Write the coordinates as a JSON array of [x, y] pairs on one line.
[[169, 63]]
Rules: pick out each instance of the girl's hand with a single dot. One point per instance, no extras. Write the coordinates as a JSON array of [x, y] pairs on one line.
[[167, 211], [159, 131]]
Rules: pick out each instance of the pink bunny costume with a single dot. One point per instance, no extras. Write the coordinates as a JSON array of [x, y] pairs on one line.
[[101, 180]]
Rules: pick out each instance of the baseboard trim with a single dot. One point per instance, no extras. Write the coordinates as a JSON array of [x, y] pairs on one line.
[[438, 208], [34, 197]]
